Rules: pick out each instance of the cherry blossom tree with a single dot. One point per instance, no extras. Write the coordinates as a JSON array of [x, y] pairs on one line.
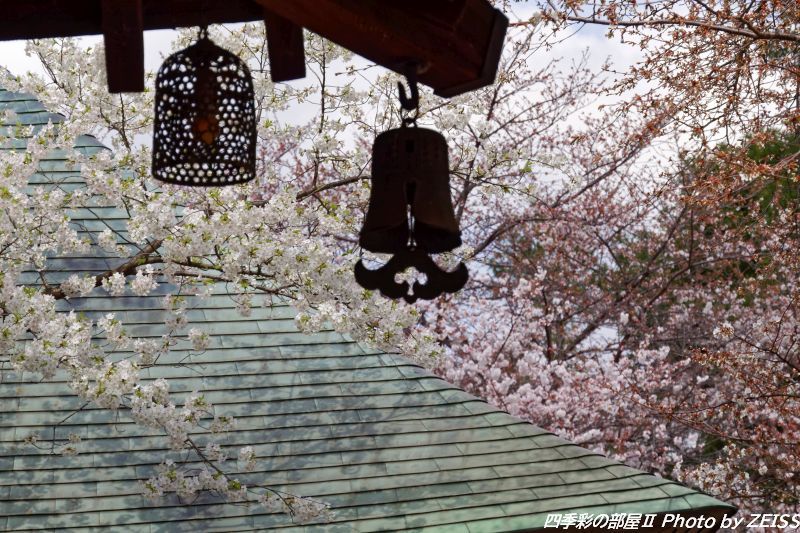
[[259, 238], [290, 234], [653, 318], [633, 266]]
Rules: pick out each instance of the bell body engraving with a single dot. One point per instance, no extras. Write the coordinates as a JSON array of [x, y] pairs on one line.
[[410, 168]]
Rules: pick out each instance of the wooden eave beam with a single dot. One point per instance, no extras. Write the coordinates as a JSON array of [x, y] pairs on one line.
[[456, 44], [40, 19]]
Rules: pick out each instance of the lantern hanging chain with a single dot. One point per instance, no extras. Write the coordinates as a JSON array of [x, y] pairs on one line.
[[203, 33], [410, 103]]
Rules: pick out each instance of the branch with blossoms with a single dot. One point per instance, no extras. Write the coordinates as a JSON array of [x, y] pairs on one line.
[[516, 165], [77, 285], [150, 405], [734, 18], [743, 30], [116, 386]]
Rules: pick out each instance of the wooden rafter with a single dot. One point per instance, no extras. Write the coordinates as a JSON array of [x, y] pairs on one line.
[[124, 44], [287, 59]]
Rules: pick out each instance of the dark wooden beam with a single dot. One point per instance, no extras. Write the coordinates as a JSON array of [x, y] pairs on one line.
[[39, 19], [123, 36], [456, 44], [443, 12], [287, 58]]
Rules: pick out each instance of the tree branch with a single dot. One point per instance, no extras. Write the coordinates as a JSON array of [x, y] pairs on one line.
[[126, 269], [310, 191], [742, 32]]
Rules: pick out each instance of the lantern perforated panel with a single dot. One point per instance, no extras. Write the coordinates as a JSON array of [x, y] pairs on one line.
[[205, 120]]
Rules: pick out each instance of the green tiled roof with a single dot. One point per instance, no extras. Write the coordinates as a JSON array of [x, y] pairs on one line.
[[391, 446]]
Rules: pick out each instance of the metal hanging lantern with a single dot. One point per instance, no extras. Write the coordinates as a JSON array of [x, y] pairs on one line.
[[205, 120], [410, 213]]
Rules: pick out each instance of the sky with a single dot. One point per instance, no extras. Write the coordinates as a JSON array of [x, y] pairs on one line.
[[156, 47]]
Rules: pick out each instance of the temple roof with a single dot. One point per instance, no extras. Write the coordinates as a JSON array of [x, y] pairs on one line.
[[389, 445]]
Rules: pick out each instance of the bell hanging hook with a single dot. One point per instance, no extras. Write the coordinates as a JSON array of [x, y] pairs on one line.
[[409, 103]]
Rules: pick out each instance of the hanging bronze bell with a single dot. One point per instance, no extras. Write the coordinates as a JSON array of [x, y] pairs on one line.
[[410, 174], [205, 121], [410, 168]]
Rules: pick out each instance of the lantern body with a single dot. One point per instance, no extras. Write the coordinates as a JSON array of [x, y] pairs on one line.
[[205, 121], [410, 168]]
